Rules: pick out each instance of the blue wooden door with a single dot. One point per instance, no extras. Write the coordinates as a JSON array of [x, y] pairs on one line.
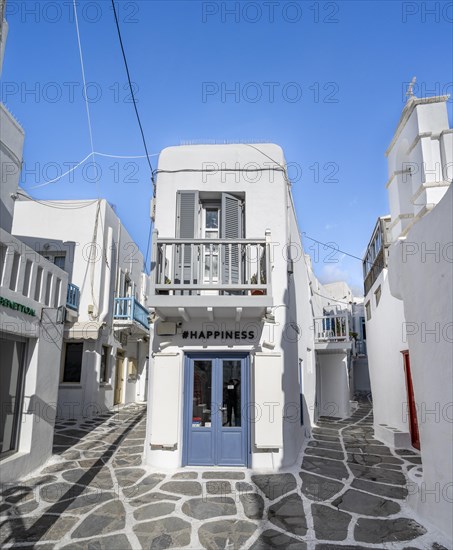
[[215, 410]]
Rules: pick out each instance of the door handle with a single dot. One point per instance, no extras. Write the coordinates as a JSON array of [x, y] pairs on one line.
[[222, 409]]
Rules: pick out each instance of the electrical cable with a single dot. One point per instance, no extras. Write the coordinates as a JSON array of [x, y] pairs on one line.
[[55, 203], [341, 251], [131, 88], [97, 153], [87, 107]]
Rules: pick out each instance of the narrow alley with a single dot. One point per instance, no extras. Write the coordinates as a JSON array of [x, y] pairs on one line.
[[350, 492]]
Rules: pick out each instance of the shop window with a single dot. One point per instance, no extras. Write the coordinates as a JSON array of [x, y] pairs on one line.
[[72, 369], [12, 352], [105, 365], [132, 368], [368, 311], [377, 295]]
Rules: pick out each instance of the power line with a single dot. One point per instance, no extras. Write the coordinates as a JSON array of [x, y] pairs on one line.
[[87, 107], [84, 204], [131, 88], [74, 168], [338, 250]]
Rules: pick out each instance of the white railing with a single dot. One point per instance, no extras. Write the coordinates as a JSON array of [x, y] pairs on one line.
[[190, 266], [332, 328], [24, 271]]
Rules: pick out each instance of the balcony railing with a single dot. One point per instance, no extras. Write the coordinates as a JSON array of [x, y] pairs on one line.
[[73, 297], [332, 328], [26, 273], [129, 309], [227, 266]]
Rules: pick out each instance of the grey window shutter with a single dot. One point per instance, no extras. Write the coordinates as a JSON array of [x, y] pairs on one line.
[[231, 229], [187, 206]]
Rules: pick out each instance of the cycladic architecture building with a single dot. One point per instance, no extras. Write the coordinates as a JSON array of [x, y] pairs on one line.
[[245, 353], [32, 299], [408, 270], [104, 360]]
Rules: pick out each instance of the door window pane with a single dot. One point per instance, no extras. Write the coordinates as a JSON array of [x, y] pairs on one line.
[[212, 218], [12, 354], [231, 410], [73, 362], [202, 387]]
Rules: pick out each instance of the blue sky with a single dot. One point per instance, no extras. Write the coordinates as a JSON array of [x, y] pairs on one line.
[[338, 70]]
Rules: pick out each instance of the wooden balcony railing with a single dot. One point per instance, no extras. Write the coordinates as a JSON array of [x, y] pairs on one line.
[[332, 328], [227, 266]]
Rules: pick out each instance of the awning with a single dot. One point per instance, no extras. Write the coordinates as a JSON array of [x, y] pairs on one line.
[[88, 330]]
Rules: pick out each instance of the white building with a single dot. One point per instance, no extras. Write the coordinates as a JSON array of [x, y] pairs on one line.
[[244, 359], [106, 337], [408, 286], [32, 296]]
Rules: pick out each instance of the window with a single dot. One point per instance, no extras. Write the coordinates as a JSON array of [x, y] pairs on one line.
[[73, 362], [57, 259], [368, 311], [377, 295], [211, 215], [12, 369], [105, 364]]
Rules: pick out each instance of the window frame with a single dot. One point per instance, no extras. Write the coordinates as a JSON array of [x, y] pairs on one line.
[[377, 295], [368, 310], [63, 370], [104, 371]]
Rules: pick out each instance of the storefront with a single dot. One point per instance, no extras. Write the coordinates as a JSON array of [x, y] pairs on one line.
[[216, 410], [13, 351]]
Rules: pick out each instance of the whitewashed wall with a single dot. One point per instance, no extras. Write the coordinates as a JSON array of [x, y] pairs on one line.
[[424, 283], [73, 231], [268, 205], [385, 340]]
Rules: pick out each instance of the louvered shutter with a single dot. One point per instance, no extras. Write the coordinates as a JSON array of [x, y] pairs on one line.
[[231, 229], [187, 205]]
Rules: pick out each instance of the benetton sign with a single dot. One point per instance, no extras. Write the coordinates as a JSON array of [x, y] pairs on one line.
[[17, 307]]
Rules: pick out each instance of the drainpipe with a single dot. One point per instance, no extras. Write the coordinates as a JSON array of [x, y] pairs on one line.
[[108, 278]]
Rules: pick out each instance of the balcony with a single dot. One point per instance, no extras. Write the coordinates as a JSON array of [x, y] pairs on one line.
[[28, 282], [332, 332], [194, 277], [73, 297], [129, 314]]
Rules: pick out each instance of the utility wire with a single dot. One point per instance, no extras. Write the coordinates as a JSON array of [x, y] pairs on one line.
[[131, 89], [74, 168], [87, 107], [84, 204], [341, 251]]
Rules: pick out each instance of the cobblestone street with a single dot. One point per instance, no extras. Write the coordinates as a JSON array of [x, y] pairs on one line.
[[349, 492]]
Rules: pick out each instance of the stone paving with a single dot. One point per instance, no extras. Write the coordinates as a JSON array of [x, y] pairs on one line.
[[347, 491]]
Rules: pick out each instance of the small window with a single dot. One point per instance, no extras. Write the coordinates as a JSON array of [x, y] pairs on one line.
[[132, 368], [73, 362], [105, 364], [56, 259], [368, 311], [377, 295], [59, 261]]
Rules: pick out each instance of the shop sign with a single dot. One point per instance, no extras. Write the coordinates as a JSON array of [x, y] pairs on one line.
[[17, 307], [218, 334]]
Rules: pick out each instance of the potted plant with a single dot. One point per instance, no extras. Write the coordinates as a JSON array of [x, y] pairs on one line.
[[167, 282], [254, 281]]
